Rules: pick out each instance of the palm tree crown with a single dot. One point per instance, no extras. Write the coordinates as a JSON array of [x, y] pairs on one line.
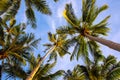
[[58, 45], [84, 31], [14, 42], [9, 11]]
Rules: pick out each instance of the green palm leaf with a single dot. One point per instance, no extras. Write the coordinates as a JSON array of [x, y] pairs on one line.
[[31, 17], [41, 5], [114, 74]]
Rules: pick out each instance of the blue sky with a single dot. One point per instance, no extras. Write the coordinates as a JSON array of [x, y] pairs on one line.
[[50, 23]]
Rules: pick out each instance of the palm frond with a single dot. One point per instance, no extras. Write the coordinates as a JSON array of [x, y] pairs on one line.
[[11, 11], [99, 10], [35, 43], [86, 6], [114, 74], [12, 22], [32, 61], [95, 51], [44, 70], [83, 49], [4, 5], [41, 5], [109, 62], [1, 36], [56, 0], [31, 17], [51, 37], [55, 75], [52, 56], [69, 15], [66, 30], [14, 71], [103, 22], [90, 11], [75, 51], [61, 51], [18, 56], [101, 28]]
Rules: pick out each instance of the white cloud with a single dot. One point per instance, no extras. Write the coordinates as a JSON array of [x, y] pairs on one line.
[[23, 18], [53, 26]]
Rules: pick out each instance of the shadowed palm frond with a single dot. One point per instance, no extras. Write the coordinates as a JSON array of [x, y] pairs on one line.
[[4, 5], [54, 76], [31, 17], [14, 71], [11, 11], [76, 74], [66, 30], [1, 36], [56, 0], [41, 5]]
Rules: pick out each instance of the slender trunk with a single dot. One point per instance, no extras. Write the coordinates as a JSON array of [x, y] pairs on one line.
[[12, 10], [108, 43], [30, 77]]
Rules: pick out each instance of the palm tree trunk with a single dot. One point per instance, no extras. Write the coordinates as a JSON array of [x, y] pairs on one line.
[[39, 64], [12, 10], [108, 43]]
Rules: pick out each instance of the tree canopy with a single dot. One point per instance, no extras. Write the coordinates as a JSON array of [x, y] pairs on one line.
[[78, 40]]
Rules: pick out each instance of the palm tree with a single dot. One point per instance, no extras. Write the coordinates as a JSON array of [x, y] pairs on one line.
[[58, 45], [14, 42], [84, 30], [13, 71], [9, 11], [88, 71], [43, 73], [4, 4], [98, 69], [108, 70], [75, 74]]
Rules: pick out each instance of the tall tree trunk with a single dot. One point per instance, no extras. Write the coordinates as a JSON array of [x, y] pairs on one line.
[[108, 43], [11, 11], [30, 77]]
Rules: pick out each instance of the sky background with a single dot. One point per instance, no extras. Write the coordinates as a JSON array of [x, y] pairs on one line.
[[47, 24]]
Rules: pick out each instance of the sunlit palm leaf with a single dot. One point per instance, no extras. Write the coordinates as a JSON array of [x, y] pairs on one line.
[[114, 74]]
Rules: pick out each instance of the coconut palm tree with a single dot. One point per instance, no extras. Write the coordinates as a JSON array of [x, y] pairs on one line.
[[43, 73], [75, 74], [89, 70], [104, 69], [13, 71], [84, 30], [9, 11], [58, 44], [108, 70], [3, 5], [14, 42]]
